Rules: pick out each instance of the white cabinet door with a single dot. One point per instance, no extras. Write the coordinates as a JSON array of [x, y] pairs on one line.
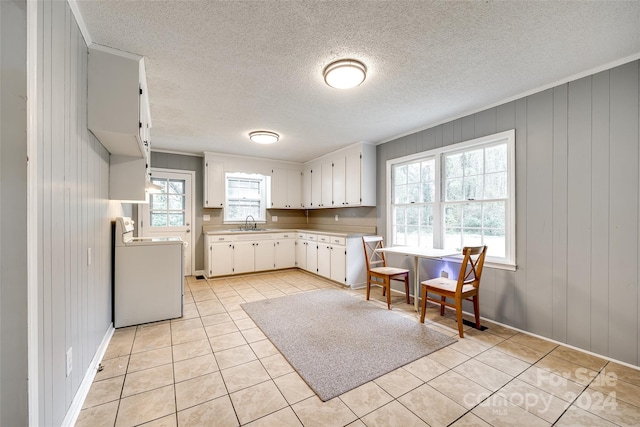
[[306, 189], [213, 183], [312, 257], [279, 199], [301, 254], [324, 259], [339, 263], [263, 255], [243, 257], [353, 181], [339, 182], [326, 185], [221, 261], [285, 253], [294, 189], [316, 187]]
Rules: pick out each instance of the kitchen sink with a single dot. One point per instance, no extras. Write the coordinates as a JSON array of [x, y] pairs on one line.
[[236, 230]]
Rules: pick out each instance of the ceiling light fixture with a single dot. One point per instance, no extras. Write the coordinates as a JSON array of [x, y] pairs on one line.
[[264, 137], [345, 73]]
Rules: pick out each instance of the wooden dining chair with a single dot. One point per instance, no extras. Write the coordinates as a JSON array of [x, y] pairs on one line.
[[467, 286], [377, 271]]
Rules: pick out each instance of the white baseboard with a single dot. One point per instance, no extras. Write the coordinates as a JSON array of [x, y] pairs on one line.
[[199, 273], [76, 405]]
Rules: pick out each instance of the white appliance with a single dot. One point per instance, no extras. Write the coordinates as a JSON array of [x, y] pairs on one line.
[[148, 277]]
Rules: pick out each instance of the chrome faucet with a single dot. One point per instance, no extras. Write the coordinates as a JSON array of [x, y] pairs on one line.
[[246, 222]]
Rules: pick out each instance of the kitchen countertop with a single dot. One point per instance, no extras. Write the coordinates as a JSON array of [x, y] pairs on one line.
[[284, 230]]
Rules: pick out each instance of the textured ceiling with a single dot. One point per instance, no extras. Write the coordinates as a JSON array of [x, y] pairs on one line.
[[220, 69]]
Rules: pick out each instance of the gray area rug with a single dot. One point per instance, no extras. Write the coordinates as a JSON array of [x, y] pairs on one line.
[[338, 342]]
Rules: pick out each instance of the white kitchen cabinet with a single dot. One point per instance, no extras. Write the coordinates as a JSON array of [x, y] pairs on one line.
[[264, 255], [243, 257], [285, 250], [301, 251], [286, 185], [219, 259], [326, 186], [118, 103], [128, 178], [214, 184], [338, 182], [307, 201], [338, 259], [256, 253], [324, 256], [316, 187], [360, 181], [312, 253]]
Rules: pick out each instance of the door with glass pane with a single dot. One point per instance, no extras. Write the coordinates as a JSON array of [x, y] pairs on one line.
[[169, 212]]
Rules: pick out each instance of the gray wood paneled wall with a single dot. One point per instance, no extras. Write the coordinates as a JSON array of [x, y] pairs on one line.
[[577, 210], [13, 214], [74, 215]]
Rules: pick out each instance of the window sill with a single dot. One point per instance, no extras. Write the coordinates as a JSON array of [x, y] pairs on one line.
[[490, 264]]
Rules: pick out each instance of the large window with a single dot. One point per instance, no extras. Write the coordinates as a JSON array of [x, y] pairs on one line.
[[456, 196], [245, 195]]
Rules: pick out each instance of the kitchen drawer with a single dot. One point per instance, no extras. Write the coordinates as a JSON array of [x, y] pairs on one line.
[[312, 237], [324, 239], [301, 236], [220, 238], [284, 236], [338, 240]]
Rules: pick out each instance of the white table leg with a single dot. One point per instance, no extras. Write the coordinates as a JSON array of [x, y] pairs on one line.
[[416, 283]]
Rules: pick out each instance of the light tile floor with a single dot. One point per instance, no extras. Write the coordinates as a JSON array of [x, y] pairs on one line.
[[214, 367]]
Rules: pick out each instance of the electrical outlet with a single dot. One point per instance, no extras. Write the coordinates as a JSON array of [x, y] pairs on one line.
[[206, 217], [69, 360], [274, 218], [444, 274], [89, 260], [336, 217]]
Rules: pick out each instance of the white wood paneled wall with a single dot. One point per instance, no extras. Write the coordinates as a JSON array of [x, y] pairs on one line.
[[74, 215], [577, 210]]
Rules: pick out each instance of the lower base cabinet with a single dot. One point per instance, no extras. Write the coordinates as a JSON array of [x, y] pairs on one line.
[[337, 257]]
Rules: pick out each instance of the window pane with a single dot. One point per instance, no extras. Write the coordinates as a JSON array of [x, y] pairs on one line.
[[401, 236], [473, 188], [400, 175], [426, 215], [496, 242], [473, 163], [161, 182], [158, 219], [495, 185], [400, 215], [176, 202], [176, 186], [454, 190], [426, 237], [413, 193], [453, 216], [413, 214], [472, 215], [414, 173], [428, 192], [158, 202], [453, 166], [496, 158], [176, 219], [413, 236], [401, 194], [494, 215], [428, 171], [452, 238], [471, 237]]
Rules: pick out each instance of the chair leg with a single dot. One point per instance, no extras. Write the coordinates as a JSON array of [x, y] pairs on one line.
[[423, 304], [459, 317], [476, 309], [406, 288], [368, 287], [442, 306], [384, 291], [387, 286]]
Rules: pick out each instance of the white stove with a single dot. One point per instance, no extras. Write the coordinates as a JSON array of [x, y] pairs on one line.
[[149, 276]]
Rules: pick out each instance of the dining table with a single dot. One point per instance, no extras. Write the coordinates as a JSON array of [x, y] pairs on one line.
[[417, 253]]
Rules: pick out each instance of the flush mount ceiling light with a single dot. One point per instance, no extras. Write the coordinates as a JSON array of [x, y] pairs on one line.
[[264, 137], [345, 73]]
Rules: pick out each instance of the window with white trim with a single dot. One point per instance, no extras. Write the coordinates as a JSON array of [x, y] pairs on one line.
[[455, 196], [245, 195]]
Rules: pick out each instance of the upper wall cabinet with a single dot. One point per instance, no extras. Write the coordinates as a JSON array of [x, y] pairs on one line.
[[213, 182], [118, 103], [344, 178], [286, 187]]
